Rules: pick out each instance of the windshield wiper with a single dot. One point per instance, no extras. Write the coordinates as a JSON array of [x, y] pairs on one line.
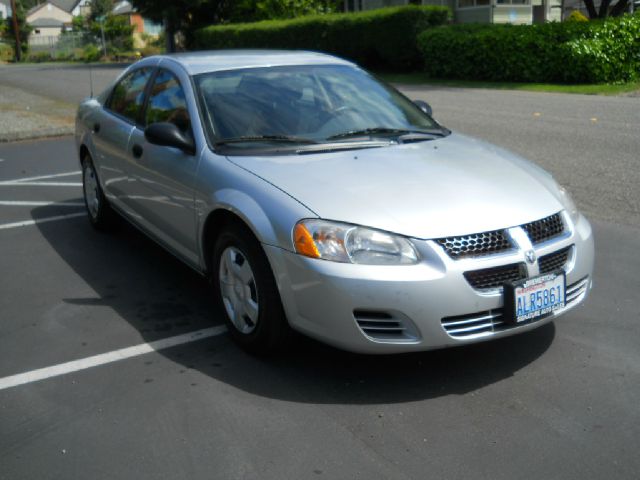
[[265, 138], [383, 131]]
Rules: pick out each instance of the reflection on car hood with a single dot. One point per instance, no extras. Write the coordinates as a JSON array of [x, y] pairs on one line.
[[450, 186]]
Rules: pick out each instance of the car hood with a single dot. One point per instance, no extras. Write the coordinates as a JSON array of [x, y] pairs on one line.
[[450, 186]]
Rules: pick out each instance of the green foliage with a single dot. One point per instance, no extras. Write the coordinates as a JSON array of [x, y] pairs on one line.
[[24, 29], [569, 52], [100, 8], [91, 53], [382, 39], [576, 16], [256, 10], [6, 52], [118, 33]]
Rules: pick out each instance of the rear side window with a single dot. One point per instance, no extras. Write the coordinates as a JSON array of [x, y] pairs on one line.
[[127, 97], [167, 102]]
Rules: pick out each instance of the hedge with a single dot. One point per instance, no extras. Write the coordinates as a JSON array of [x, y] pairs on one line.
[[383, 39], [569, 52]]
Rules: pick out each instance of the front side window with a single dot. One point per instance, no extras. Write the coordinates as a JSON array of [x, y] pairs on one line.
[[167, 102], [127, 97]]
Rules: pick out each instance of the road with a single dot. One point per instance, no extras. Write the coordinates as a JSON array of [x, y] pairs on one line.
[[559, 402]]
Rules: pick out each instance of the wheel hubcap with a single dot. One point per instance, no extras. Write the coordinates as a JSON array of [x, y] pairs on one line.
[[91, 191], [238, 289]]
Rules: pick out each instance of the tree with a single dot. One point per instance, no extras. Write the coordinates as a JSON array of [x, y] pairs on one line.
[[606, 10], [100, 8], [24, 29], [182, 16], [186, 16]]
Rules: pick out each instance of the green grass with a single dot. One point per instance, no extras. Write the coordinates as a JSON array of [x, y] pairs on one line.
[[587, 89]]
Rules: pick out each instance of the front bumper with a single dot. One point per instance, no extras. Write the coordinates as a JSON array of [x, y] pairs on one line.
[[394, 309]]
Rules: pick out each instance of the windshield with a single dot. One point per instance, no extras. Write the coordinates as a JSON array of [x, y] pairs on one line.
[[304, 105]]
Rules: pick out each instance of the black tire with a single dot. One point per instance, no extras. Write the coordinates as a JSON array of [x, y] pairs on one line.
[[261, 333], [99, 211]]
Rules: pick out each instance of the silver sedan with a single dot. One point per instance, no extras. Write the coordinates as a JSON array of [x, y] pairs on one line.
[[321, 200]]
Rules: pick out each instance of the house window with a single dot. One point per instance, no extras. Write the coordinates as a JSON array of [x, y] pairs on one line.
[[37, 31], [474, 3]]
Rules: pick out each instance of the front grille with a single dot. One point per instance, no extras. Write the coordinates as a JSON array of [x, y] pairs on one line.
[[475, 245], [554, 261], [488, 243], [385, 326], [544, 229], [495, 277]]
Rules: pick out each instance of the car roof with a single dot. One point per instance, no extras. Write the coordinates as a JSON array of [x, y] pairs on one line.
[[217, 60]]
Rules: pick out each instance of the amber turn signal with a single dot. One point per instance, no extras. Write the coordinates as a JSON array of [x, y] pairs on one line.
[[304, 243]]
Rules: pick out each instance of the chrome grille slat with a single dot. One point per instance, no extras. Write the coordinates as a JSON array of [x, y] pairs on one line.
[[382, 328], [467, 321], [454, 331]]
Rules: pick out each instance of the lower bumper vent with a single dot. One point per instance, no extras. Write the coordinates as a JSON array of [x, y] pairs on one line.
[[386, 326]]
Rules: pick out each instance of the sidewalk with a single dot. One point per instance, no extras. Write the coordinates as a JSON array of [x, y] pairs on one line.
[[25, 116]]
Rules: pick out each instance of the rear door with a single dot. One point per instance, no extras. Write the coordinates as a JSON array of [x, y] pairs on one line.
[[112, 131]]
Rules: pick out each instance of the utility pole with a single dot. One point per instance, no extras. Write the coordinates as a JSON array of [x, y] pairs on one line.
[[14, 10]]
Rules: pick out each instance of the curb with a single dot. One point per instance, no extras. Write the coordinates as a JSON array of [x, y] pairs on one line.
[[36, 134]]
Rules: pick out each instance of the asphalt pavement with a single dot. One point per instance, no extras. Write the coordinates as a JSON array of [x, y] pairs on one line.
[[559, 402]]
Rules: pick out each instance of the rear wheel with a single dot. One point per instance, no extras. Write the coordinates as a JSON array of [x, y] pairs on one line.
[[245, 287], [98, 209]]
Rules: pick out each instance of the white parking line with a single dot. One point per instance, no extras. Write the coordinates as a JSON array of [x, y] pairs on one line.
[[40, 220], [40, 184], [10, 203], [109, 357], [41, 177]]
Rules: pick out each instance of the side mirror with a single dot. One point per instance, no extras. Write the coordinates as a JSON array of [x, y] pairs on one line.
[[169, 135], [424, 106]]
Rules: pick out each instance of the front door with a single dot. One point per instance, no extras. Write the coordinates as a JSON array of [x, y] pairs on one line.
[[164, 176]]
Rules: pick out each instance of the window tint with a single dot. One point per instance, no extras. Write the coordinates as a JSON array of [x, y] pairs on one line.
[[167, 102], [128, 94]]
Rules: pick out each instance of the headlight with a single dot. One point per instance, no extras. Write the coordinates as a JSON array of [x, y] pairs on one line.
[[568, 203], [340, 242]]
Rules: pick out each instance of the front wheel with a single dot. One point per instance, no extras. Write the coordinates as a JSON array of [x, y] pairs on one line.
[[245, 287]]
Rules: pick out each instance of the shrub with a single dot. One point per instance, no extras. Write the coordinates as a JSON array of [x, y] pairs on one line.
[[6, 52], [569, 52], [576, 16], [383, 39], [91, 53], [38, 57]]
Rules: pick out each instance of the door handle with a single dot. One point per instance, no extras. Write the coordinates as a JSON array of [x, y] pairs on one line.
[[96, 127], [137, 151]]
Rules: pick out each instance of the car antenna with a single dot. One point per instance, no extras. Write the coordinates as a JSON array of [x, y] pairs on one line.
[[91, 81]]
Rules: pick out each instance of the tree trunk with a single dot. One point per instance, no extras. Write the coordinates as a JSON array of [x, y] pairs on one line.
[[604, 9], [619, 8], [591, 9]]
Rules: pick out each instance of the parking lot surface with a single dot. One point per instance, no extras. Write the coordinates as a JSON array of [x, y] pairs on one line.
[[559, 402]]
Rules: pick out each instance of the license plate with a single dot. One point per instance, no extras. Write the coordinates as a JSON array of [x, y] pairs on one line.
[[536, 297]]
